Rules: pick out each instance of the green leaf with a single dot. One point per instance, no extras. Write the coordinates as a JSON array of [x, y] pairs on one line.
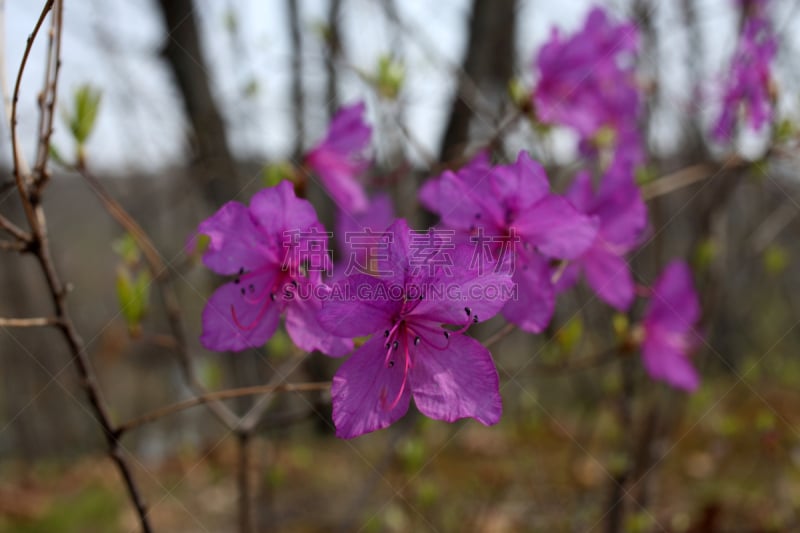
[[390, 77], [272, 175], [704, 254], [133, 295], [127, 249], [55, 155], [570, 335], [520, 94], [776, 259], [85, 107]]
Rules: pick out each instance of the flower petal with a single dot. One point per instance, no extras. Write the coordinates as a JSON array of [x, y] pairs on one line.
[[609, 276], [306, 332], [359, 305], [232, 323], [556, 228], [364, 390], [456, 382], [521, 184], [472, 281], [532, 308], [277, 209], [674, 304], [236, 240], [666, 362]]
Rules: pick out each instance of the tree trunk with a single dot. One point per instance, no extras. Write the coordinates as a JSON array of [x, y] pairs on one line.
[[213, 163], [488, 66]]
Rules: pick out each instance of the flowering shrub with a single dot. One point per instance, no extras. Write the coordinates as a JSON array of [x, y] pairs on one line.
[[505, 243]]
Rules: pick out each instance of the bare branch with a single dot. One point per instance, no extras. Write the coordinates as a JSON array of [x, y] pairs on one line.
[[499, 335], [39, 245], [21, 168], [29, 322], [47, 99], [161, 273], [221, 395]]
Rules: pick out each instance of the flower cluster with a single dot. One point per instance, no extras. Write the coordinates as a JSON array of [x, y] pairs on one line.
[[404, 300], [748, 85], [587, 83]]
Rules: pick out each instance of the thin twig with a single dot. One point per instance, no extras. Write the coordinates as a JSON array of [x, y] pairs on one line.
[[21, 169], [47, 100], [578, 363], [14, 230], [227, 394], [687, 176], [243, 483], [36, 322], [499, 335], [161, 274], [13, 246]]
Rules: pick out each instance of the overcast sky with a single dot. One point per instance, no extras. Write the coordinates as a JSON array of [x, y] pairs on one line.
[[114, 45]]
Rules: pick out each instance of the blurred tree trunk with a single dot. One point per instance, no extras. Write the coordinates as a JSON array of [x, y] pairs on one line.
[[334, 42], [298, 96], [213, 161], [488, 65]]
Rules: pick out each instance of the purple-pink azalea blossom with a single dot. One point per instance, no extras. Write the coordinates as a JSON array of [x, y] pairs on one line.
[[669, 322], [508, 211], [587, 81], [748, 84], [411, 353], [622, 218], [276, 249], [340, 158]]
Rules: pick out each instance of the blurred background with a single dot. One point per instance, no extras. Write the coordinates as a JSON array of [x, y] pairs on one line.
[[200, 100]]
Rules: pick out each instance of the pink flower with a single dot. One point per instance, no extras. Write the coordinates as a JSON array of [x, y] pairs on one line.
[[509, 210], [749, 81], [587, 81], [339, 159], [276, 249], [411, 354], [669, 322], [622, 218]]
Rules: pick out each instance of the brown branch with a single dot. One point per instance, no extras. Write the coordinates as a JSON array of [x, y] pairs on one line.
[[21, 169], [39, 244], [582, 363], [161, 274], [688, 176], [243, 483], [47, 105], [29, 322], [226, 394], [14, 230], [499, 335], [13, 246]]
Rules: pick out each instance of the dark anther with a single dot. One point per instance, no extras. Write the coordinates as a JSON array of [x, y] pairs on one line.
[[237, 281], [475, 319], [243, 291], [241, 271], [395, 344], [387, 344], [391, 364], [272, 296], [421, 296], [416, 341], [446, 334], [386, 333], [468, 311], [251, 288]]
